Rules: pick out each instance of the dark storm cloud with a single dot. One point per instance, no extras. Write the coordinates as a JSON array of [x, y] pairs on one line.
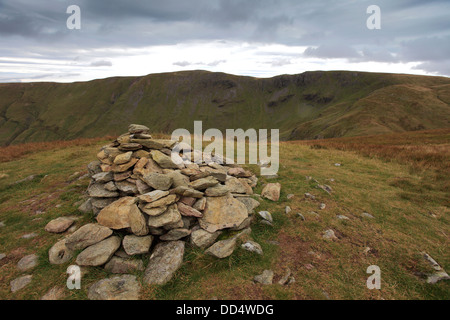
[[412, 30]]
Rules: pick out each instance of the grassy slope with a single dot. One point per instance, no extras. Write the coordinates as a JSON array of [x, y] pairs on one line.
[[328, 104], [403, 227]]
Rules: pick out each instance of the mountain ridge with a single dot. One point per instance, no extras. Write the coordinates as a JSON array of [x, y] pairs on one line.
[[314, 104]]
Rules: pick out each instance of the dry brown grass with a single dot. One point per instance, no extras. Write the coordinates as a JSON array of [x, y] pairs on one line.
[[15, 152], [422, 150]]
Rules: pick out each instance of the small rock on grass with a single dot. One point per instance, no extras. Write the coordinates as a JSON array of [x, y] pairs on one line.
[[264, 278], [329, 235], [28, 262], [124, 287], [29, 235], [266, 215], [367, 215], [20, 283], [55, 293], [252, 247]]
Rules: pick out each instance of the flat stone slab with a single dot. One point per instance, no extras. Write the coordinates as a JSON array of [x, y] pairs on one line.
[[28, 262], [99, 253], [87, 235], [124, 287], [165, 260], [20, 283], [59, 225], [222, 212]]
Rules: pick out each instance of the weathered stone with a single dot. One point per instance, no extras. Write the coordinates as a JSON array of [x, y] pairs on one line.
[[153, 196], [94, 167], [156, 144], [202, 239], [235, 185], [87, 235], [271, 191], [164, 262], [59, 225], [266, 216], [124, 287], [163, 160], [138, 128], [117, 168], [200, 204], [117, 215], [137, 245], [162, 202], [222, 249], [29, 235], [175, 234], [250, 203], [367, 215], [287, 209], [138, 223], [310, 196], [127, 187], [222, 212], [20, 283], [187, 192], [322, 206], [28, 262], [103, 177], [329, 235], [142, 187], [188, 211], [100, 203], [153, 212], [245, 224], [158, 181], [123, 158], [204, 183], [98, 191], [99, 253], [55, 293], [170, 216], [121, 176], [265, 278], [252, 247], [60, 253], [217, 191], [129, 146], [2, 256], [239, 172], [111, 186], [123, 266], [189, 201]]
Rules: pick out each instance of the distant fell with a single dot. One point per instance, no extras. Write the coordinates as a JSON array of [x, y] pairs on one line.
[[310, 105]]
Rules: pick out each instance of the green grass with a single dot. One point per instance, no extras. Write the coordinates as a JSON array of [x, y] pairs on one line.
[[405, 224]]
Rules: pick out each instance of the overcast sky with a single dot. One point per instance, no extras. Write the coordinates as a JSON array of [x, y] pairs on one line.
[[260, 38]]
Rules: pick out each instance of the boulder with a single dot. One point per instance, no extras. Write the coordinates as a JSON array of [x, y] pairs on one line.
[[165, 260], [117, 215], [202, 239], [134, 245], [271, 191], [163, 160], [125, 287], [170, 216], [222, 212], [60, 253], [100, 253], [87, 235], [59, 225], [222, 249], [158, 181], [124, 266]]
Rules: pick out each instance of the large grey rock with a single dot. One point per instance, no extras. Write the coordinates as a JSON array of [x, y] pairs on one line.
[[271, 191], [124, 287], [137, 245], [28, 262], [99, 253], [163, 160], [158, 181], [252, 247], [236, 186], [59, 225], [222, 249], [98, 191], [20, 283], [117, 215], [265, 278], [138, 128], [59, 253], [170, 216], [165, 260], [222, 212], [175, 234], [250, 203], [124, 266], [202, 239], [87, 235]]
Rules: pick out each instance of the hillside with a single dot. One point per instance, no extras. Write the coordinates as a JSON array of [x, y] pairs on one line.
[[305, 106], [406, 198]]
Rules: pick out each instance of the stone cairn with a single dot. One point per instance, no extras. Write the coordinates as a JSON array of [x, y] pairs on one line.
[[144, 203]]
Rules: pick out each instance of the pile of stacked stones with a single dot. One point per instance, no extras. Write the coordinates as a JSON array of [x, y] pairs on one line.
[[144, 203]]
